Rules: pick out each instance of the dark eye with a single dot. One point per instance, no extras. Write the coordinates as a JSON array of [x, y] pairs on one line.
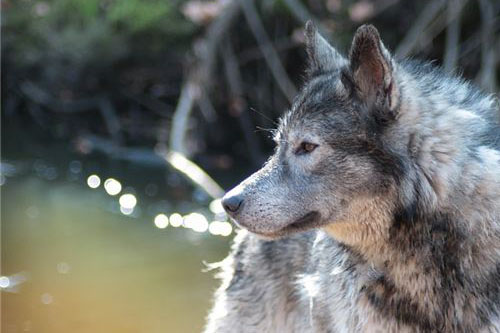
[[305, 148]]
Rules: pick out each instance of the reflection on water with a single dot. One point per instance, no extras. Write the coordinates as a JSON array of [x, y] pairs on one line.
[[112, 186], [83, 252]]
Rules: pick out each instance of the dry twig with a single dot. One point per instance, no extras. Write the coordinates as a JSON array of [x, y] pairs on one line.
[[487, 73], [413, 37], [198, 80], [452, 35], [148, 157], [238, 102], [270, 55], [301, 13]]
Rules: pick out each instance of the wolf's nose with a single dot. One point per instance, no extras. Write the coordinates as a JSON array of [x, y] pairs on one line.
[[232, 203]]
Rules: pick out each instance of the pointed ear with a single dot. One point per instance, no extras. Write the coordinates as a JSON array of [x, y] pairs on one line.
[[372, 68], [322, 56]]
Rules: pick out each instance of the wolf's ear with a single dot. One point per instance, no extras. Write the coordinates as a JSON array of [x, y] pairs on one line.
[[372, 68], [322, 56]]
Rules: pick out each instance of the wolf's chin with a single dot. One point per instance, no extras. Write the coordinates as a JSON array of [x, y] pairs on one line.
[[308, 221]]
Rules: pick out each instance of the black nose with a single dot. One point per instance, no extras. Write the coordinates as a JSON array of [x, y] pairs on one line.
[[232, 203]]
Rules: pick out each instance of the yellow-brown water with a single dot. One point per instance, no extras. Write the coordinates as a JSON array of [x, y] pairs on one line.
[[87, 269]]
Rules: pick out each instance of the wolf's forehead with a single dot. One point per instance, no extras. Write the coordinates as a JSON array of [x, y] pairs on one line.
[[318, 91], [318, 99]]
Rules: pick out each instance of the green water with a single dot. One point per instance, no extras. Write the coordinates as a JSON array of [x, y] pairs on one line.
[[82, 266]]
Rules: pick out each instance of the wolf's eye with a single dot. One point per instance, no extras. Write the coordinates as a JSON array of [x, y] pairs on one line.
[[305, 148]]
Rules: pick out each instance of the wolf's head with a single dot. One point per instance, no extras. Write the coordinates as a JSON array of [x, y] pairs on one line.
[[331, 147]]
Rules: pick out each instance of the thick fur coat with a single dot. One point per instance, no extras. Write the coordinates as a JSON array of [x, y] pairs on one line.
[[378, 212]]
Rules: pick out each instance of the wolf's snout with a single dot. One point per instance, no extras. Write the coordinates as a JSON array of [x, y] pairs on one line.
[[232, 202]]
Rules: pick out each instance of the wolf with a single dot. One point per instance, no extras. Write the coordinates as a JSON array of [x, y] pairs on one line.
[[379, 210]]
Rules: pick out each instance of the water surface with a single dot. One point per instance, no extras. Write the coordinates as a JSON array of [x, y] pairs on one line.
[[75, 263]]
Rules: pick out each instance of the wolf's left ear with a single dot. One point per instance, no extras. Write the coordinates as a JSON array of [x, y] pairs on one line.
[[372, 68], [321, 55]]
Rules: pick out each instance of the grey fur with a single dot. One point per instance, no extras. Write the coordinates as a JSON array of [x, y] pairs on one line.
[[388, 222]]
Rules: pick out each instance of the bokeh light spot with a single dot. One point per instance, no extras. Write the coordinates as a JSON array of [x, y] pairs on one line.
[[196, 221], [216, 206], [175, 220], [128, 201], [161, 221], [32, 212], [4, 282], [63, 268], [93, 181], [126, 210], [220, 228], [75, 167], [226, 229], [112, 186], [47, 298]]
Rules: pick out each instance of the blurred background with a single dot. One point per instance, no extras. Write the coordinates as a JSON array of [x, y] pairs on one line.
[[123, 121]]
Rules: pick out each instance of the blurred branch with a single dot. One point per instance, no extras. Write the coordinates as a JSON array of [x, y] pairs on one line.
[[270, 55], [412, 38], [41, 97], [254, 53], [441, 22], [198, 80], [238, 103], [193, 172], [452, 35], [101, 103], [148, 157], [111, 120], [181, 117], [487, 73], [301, 13], [35, 110], [157, 106], [365, 10], [207, 107], [427, 26], [474, 41], [144, 156]]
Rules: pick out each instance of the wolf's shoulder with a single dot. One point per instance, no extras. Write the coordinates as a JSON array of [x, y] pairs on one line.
[[433, 80], [450, 95]]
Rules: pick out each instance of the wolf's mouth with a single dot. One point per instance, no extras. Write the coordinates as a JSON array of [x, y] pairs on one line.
[[308, 221]]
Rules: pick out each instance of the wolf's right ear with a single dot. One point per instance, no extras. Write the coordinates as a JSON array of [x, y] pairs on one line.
[[372, 68], [321, 55]]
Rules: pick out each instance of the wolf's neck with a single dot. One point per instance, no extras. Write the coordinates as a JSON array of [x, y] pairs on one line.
[[400, 251], [366, 228], [412, 244], [366, 224]]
